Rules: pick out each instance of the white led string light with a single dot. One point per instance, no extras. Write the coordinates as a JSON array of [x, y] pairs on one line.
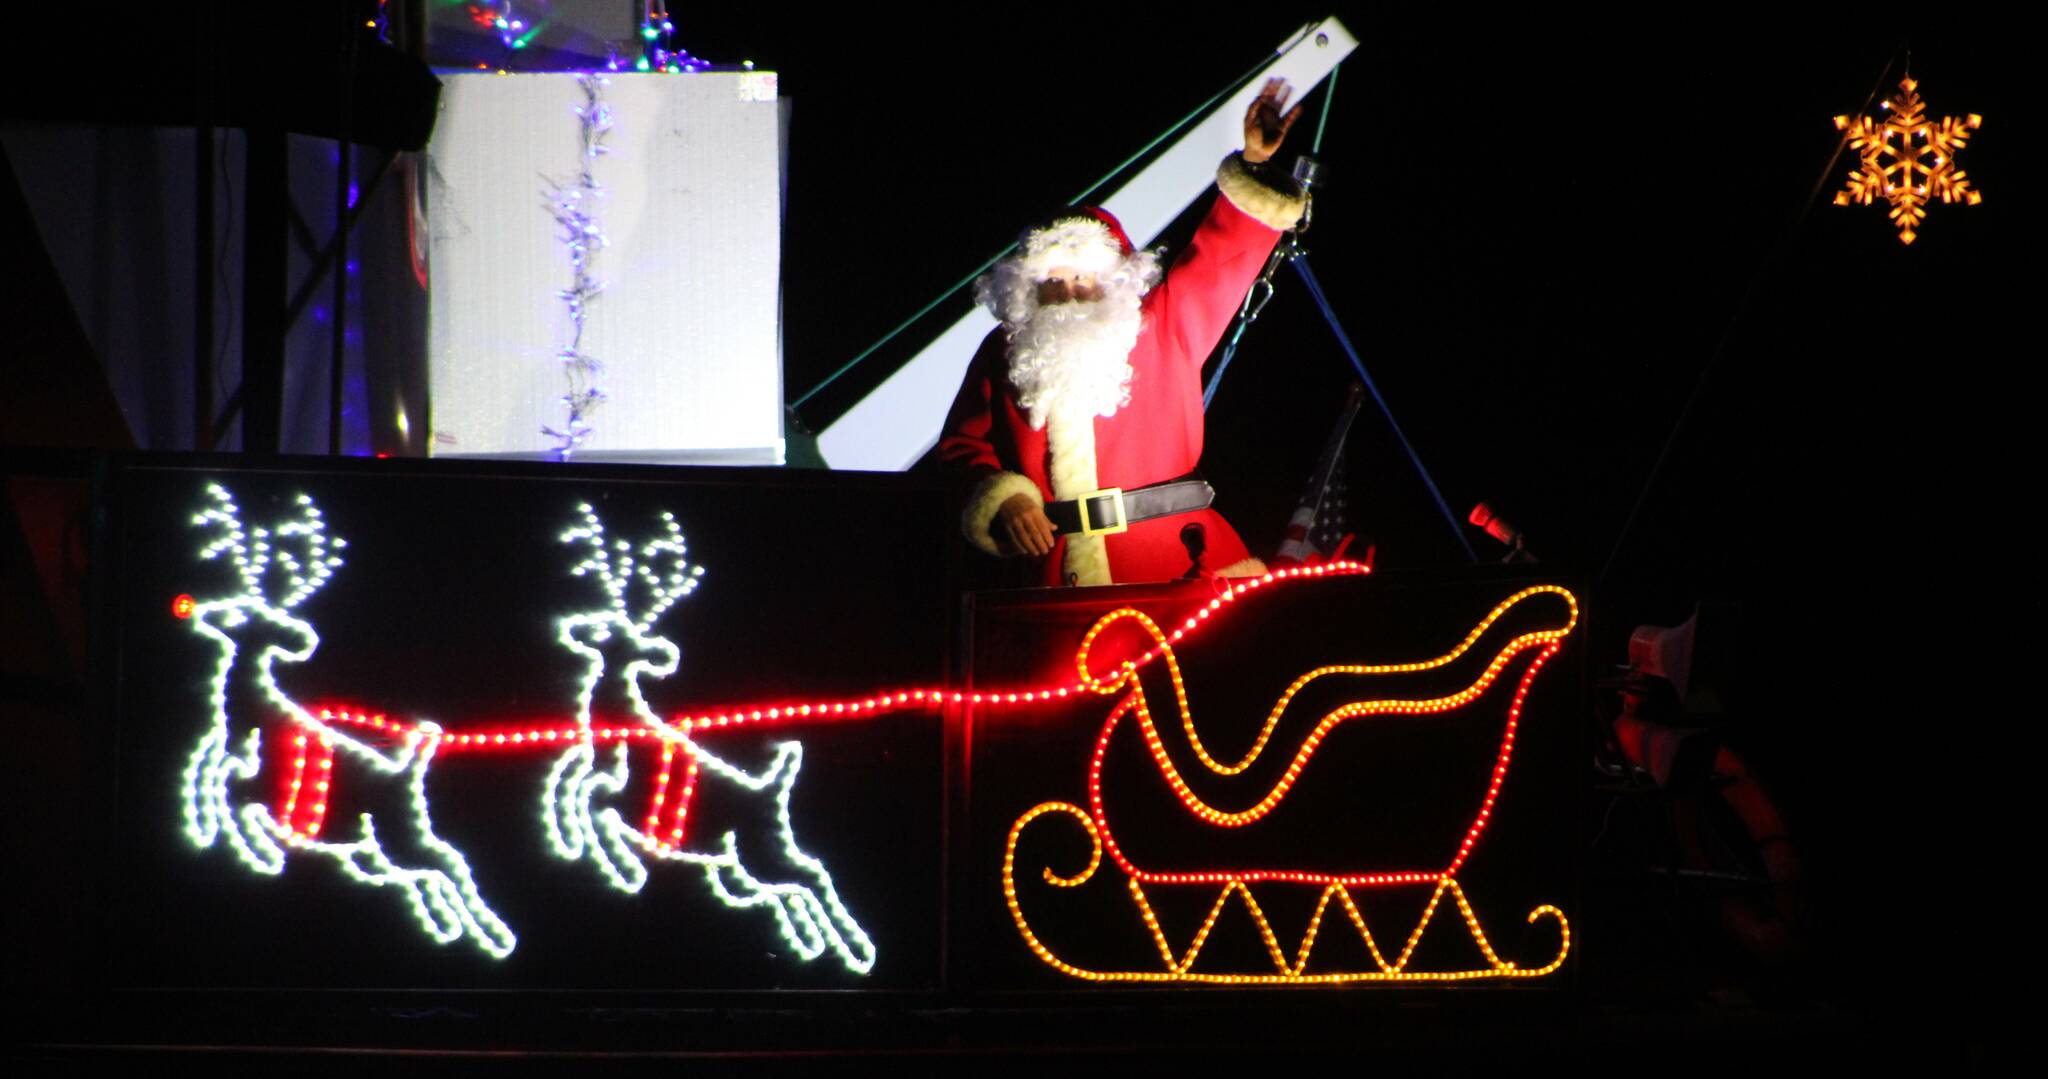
[[446, 903], [572, 831], [283, 566], [809, 924], [808, 913]]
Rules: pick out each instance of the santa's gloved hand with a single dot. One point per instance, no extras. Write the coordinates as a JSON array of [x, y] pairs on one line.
[[1022, 526]]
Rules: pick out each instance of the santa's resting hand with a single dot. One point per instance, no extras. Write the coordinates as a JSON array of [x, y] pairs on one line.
[[1022, 526]]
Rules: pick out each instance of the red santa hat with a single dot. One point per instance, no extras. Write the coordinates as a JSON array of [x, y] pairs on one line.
[[1085, 239]]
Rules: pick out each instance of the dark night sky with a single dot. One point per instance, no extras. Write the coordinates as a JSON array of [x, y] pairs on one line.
[[1537, 238], [1540, 236]]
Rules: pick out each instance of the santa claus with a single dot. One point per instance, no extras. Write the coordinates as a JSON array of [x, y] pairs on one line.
[[1077, 430]]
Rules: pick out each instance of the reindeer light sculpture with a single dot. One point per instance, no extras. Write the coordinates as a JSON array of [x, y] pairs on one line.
[[573, 831], [279, 569], [804, 901], [256, 629]]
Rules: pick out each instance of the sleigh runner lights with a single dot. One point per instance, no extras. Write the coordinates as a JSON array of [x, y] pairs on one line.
[[1337, 890]]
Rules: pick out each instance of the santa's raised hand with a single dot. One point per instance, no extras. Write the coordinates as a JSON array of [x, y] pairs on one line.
[[1265, 125]]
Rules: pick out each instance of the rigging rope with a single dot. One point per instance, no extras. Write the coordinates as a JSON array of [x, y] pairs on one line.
[[1200, 110], [1742, 306]]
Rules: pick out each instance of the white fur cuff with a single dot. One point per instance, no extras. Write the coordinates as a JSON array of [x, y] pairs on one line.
[[1248, 567], [1268, 206], [988, 497]]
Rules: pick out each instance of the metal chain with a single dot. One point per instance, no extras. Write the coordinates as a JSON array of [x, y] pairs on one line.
[[1261, 293], [1287, 250]]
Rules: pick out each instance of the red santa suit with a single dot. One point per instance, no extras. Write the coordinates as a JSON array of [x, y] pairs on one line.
[[990, 443]]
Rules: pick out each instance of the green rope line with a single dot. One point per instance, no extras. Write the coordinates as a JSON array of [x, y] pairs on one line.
[[1743, 304], [1200, 110], [1235, 85], [1329, 95], [902, 326]]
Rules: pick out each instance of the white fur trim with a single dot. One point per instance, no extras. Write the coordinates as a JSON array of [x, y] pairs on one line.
[[1087, 560], [1270, 207], [1070, 442], [988, 497], [1249, 567], [1082, 245]]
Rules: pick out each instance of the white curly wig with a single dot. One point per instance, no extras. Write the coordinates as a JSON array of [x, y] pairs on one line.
[[1070, 357]]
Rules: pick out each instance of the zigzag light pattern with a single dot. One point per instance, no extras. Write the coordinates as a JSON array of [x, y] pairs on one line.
[[1286, 971]]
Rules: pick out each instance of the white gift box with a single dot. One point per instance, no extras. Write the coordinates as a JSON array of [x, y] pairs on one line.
[[687, 327]]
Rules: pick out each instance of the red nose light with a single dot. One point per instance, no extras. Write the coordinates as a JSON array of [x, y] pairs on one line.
[[182, 606]]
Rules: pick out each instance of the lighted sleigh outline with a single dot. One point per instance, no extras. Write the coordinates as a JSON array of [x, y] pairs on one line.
[[1179, 964], [579, 824]]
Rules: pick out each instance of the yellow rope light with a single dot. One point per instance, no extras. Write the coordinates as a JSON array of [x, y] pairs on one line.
[[1286, 971], [1237, 883]]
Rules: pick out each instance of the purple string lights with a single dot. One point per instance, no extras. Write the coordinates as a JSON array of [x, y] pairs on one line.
[[573, 204]]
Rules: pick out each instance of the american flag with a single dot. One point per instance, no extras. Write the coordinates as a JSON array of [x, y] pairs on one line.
[[1319, 530]]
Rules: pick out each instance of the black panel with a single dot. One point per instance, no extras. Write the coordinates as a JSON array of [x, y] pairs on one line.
[[444, 608]]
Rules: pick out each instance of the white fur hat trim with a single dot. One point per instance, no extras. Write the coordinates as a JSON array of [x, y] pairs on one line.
[[1078, 244]]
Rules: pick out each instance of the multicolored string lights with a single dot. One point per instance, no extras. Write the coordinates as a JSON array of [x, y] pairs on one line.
[[578, 823], [497, 17], [657, 42]]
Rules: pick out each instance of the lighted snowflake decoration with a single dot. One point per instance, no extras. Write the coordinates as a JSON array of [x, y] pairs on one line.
[[1908, 159]]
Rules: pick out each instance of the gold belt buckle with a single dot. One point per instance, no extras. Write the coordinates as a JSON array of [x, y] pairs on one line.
[[1116, 497]]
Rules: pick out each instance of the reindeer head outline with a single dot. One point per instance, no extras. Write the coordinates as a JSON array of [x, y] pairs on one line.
[[657, 573], [279, 569], [259, 556]]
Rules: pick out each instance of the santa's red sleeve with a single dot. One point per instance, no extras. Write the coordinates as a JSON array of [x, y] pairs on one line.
[[1201, 294], [968, 448]]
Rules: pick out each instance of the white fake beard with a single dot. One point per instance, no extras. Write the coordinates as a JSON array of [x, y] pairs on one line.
[[1072, 359]]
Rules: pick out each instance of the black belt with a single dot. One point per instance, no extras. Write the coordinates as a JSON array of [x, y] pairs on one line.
[[1113, 509]]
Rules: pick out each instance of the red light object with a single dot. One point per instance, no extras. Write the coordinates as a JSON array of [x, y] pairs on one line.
[[668, 803]]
